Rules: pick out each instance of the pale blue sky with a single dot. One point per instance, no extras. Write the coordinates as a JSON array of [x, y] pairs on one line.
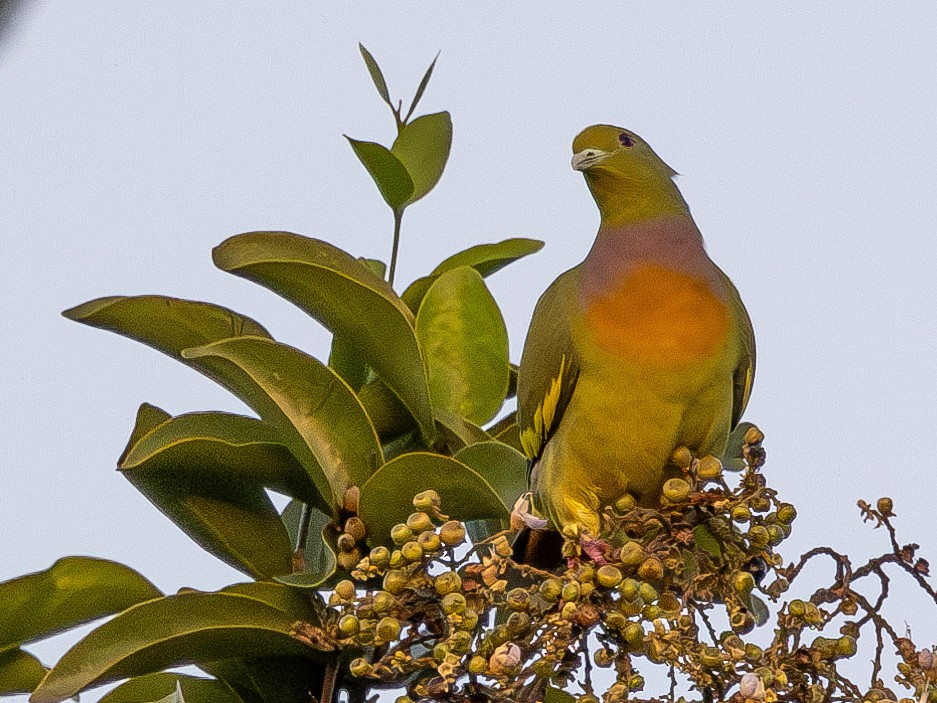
[[134, 136]]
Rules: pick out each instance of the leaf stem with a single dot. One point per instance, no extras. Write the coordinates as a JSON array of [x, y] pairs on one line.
[[398, 216]]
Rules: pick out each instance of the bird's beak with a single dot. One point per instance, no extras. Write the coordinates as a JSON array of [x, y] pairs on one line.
[[587, 158]]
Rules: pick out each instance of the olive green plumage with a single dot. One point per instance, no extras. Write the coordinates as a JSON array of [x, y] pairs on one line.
[[642, 348]]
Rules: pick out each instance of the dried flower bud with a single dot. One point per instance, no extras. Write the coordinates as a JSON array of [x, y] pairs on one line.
[[632, 554], [682, 458], [626, 504], [345, 589], [608, 576], [518, 599], [506, 660], [379, 557], [382, 601], [348, 560], [709, 468], [741, 513], [628, 589], [754, 436], [478, 665], [550, 589], [676, 490], [412, 551], [885, 506], [345, 543], [354, 526], [453, 603], [395, 581], [452, 533], [571, 591], [419, 522], [387, 630], [349, 625], [743, 582], [651, 569], [634, 635], [401, 534], [429, 541], [751, 687], [359, 667], [351, 499], [427, 501]]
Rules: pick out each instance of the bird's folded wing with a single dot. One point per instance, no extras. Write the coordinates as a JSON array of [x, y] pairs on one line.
[[549, 365], [744, 375]]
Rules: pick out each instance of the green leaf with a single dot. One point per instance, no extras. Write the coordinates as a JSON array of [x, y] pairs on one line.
[[457, 432], [388, 414], [556, 695], [506, 431], [422, 146], [284, 598], [503, 467], [167, 324], [759, 609], [319, 555], [20, 672], [707, 541], [387, 497], [421, 88], [376, 75], [261, 679], [316, 414], [390, 175], [490, 258], [188, 628], [344, 295], [73, 591], [207, 472], [484, 258], [465, 344], [152, 687], [732, 458]]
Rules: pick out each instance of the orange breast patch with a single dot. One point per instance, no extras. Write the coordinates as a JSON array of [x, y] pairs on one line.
[[659, 316]]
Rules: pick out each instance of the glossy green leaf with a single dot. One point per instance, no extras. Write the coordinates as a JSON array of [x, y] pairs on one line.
[[758, 609], [319, 555], [484, 258], [457, 432], [188, 628], [510, 435], [388, 414], [503, 467], [391, 177], [154, 687], [73, 591], [376, 75], [387, 497], [556, 695], [344, 357], [269, 679], [732, 458], [352, 301], [20, 672], [277, 595], [490, 258], [422, 147], [707, 541], [465, 343], [421, 88], [166, 324], [207, 472], [317, 416]]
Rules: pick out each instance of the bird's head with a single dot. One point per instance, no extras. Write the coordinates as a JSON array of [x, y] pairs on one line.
[[628, 180]]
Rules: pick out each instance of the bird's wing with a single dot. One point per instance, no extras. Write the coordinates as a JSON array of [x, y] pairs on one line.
[[549, 365], [744, 375]]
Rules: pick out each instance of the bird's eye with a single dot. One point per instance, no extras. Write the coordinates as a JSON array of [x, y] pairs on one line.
[[626, 139]]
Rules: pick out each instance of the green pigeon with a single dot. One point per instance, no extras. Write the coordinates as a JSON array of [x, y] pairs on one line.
[[642, 348]]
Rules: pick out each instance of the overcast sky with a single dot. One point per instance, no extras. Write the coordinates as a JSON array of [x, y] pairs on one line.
[[134, 136]]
